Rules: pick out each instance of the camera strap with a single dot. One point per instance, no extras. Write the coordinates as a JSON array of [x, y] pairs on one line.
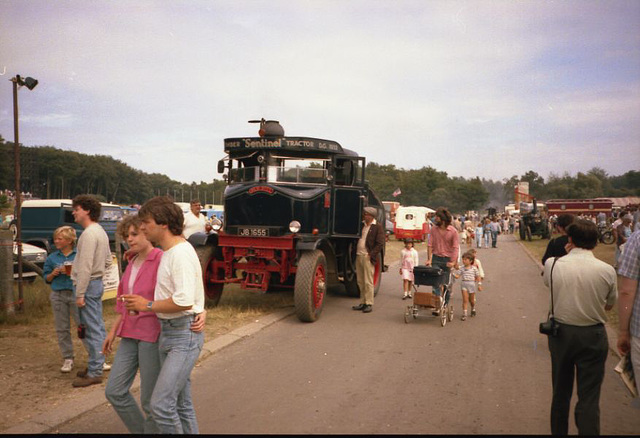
[[555, 259]]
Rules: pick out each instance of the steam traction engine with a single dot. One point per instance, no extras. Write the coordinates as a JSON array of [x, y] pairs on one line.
[[293, 213]]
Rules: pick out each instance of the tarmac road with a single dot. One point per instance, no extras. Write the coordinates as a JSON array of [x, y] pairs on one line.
[[355, 373]]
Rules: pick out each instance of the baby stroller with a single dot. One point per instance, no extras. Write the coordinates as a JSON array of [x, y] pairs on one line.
[[436, 305]]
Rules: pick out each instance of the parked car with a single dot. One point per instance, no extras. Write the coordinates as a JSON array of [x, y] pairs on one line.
[[30, 253], [40, 218]]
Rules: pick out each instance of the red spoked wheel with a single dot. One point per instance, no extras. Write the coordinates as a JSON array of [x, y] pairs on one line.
[[310, 286]]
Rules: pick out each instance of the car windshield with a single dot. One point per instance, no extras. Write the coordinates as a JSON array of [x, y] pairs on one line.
[[111, 214]]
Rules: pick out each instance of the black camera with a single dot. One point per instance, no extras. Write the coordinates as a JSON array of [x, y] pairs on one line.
[[549, 327]]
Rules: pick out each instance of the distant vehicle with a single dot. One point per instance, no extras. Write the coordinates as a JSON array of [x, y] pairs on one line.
[[293, 216], [388, 226], [30, 253], [390, 207], [126, 211], [412, 223], [580, 206], [533, 221], [41, 217], [185, 206], [211, 213]]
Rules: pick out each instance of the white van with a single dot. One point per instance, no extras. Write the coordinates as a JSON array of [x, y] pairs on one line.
[[411, 223]]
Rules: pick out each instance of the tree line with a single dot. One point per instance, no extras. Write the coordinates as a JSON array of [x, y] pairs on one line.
[[49, 172], [432, 188]]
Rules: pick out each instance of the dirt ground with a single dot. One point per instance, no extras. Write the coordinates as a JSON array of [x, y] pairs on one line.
[[30, 361], [31, 381]]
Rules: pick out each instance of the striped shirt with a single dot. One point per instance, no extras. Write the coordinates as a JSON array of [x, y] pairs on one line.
[[630, 268], [469, 273]]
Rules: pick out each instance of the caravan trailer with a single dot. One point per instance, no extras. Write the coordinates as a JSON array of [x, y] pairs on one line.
[[412, 223]]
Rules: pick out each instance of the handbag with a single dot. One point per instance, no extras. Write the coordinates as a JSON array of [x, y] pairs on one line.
[[550, 327]]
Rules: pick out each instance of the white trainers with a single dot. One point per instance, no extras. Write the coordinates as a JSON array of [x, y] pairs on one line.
[[106, 367], [67, 366]]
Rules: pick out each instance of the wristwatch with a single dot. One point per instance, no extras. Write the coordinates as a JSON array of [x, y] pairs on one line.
[[149, 304]]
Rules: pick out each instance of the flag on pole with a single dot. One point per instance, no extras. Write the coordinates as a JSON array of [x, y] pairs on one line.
[[397, 192]]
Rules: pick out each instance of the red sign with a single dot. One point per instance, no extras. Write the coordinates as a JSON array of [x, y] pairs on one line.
[[261, 189]]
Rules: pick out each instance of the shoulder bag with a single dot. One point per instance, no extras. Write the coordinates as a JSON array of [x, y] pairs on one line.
[[550, 327]]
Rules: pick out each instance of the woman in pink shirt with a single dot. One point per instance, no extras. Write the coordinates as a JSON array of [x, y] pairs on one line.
[[138, 333], [444, 246]]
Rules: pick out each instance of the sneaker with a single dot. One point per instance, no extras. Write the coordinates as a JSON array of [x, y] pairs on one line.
[[473, 312], [106, 367], [67, 366], [406, 295], [410, 296], [81, 382], [463, 317]]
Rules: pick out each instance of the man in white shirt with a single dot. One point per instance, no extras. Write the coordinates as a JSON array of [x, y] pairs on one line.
[[583, 289], [194, 221], [179, 303]]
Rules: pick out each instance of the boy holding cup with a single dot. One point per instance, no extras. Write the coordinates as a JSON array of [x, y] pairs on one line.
[[63, 300]]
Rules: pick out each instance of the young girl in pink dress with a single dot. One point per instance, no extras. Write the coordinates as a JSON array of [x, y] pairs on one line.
[[408, 259]]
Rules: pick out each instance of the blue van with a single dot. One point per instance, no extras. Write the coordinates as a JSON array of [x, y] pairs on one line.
[[41, 217]]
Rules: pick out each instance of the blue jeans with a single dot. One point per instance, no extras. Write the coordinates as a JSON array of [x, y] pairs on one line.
[[171, 404], [440, 262], [487, 236], [494, 238], [91, 317], [63, 304], [133, 354]]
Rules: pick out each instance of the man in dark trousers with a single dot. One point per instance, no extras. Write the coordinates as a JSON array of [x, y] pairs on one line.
[[369, 250], [583, 288]]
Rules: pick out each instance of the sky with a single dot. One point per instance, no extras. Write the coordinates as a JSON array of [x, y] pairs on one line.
[[473, 88]]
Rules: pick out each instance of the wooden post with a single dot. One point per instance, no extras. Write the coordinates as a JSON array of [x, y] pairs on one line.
[[6, 272]]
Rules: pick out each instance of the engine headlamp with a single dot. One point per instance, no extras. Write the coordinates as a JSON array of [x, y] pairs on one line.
[[216, 224], [294, 226]]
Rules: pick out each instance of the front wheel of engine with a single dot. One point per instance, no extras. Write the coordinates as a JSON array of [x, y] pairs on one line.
[[212, 291], [310, 286]]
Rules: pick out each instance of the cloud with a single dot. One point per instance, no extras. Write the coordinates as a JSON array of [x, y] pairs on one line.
[[481, 88]]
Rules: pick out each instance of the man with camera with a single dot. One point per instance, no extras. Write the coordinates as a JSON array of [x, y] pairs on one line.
[[583, 288]]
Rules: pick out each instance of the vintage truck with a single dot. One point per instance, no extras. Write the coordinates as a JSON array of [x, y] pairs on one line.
[[293, 216]]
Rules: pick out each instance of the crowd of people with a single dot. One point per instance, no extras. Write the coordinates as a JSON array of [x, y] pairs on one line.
[[161, 316], [160, 306]]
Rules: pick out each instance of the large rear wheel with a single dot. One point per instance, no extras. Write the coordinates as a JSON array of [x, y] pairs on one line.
[[213, 291], [310, 285], [349, 269]]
